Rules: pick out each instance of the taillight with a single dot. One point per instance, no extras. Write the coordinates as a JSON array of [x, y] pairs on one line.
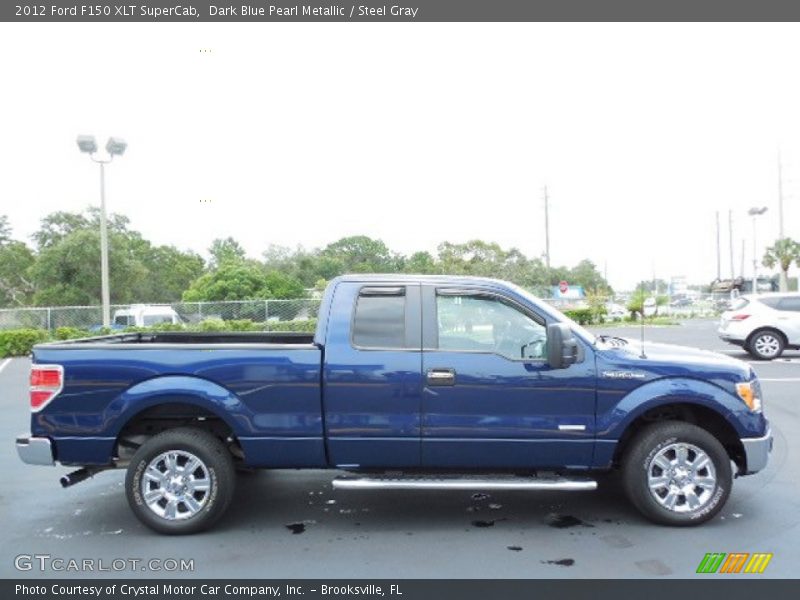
[[46, 382], [739, 317]]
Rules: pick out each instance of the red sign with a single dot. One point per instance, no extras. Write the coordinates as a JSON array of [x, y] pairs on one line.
[[563, 286]]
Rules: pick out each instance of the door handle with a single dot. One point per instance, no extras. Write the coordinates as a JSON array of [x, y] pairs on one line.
[[441, 376]]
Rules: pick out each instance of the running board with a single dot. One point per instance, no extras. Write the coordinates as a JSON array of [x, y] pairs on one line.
[[575, 484]]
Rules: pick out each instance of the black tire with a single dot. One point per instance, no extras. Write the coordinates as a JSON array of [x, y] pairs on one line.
[[216, 471], [668, 437], [762, 339]]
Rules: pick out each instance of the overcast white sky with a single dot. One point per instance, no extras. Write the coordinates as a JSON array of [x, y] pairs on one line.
[[413, 133]]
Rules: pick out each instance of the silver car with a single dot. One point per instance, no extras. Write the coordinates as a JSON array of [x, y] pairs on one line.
[[763, 324]]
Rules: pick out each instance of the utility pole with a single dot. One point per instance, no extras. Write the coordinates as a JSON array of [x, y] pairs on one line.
[[741, 266], [755, 212], [780, 197], [730, 240], [719, 263], [546, 229]]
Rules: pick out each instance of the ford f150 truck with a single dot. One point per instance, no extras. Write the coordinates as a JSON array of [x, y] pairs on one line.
[[410, 382]]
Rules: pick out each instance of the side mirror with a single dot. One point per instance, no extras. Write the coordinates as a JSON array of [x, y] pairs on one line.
[[562, 347]]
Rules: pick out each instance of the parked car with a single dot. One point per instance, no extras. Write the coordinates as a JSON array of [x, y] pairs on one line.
[[681, 302], [616, 311], [144, 315], [410, 382], [140, 315], [764, 325]]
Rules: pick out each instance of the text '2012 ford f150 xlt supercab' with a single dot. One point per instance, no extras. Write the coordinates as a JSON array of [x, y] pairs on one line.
[[410, 382]]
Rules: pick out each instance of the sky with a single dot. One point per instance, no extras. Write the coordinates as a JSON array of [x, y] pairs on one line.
[[414, 133]]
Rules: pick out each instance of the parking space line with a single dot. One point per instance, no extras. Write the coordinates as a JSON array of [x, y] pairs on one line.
[[779, 379], [4, 364]]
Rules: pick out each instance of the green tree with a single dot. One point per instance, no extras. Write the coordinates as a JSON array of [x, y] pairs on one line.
[[16, 286], [283, 286], [585, 273], [230, 281], [67, 271], [422, 263], [361, 254], [5, 230], [242, 281], [782, 253], [304, 265], [475, 257], [170, 272], [60, 224], [636, 302], [225, 251]]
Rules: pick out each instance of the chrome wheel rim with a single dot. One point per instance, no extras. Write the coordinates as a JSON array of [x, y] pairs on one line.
[[681, 478], [767, 345], [176, 485]]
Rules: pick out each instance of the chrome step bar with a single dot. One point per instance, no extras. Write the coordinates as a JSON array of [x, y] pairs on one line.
[[577, 484]]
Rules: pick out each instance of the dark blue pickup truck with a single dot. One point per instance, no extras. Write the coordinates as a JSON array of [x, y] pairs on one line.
[[410, 382]]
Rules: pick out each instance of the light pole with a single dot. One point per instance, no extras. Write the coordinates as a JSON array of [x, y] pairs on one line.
[[114, 147], [546, 229], [754, 212]]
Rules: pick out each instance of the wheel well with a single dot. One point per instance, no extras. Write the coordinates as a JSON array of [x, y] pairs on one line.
[[171, 415], [773, 329], [703, 417]]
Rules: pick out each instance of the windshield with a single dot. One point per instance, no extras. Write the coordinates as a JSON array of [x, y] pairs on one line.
[[579, 329]]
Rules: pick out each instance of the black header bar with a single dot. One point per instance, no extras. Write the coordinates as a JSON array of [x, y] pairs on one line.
[[742, 588], [404, 10]]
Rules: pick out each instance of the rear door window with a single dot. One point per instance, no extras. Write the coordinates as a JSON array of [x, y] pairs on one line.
[[770, 301], [790, 304], [380, 318]]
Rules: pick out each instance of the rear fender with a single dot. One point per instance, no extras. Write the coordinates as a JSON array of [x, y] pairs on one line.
[[179, 389]]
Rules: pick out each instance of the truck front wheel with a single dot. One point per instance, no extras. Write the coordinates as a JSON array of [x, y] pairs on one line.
[[180, 481], [676, 473]]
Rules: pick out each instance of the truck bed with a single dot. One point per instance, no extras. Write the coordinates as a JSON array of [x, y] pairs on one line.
[[196, 337], [265, 386]]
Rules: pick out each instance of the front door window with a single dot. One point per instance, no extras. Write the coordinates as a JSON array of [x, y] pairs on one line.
[[469, 323]]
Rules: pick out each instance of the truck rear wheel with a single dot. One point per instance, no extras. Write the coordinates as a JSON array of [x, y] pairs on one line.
[[676, 473], [180, 481]]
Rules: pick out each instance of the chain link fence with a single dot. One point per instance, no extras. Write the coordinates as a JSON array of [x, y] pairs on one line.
[[269, 314], [273, 315]]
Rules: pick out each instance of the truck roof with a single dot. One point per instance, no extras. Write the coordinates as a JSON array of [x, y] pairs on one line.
[[411, 278]]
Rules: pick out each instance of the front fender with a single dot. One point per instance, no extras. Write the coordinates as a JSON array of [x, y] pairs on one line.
[[613, 417], [194, 391]]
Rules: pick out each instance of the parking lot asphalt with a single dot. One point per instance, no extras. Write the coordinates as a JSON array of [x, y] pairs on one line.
[[291, 524]]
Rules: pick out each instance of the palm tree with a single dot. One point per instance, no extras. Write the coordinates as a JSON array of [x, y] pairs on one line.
[[783, 252]]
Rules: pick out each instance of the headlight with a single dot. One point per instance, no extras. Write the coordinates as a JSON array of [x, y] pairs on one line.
[[750, 393]]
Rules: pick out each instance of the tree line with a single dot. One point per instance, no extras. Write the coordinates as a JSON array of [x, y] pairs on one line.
[[61, 266]]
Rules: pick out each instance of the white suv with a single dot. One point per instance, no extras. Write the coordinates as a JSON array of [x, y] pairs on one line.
[[764, 325]]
